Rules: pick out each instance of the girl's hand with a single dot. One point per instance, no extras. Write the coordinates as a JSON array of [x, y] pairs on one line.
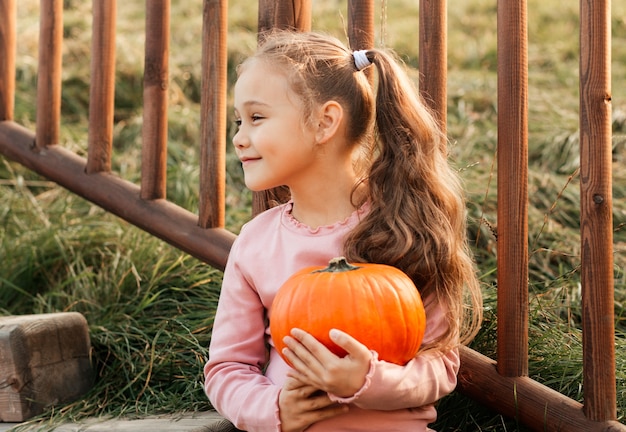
[[317, 366], [300, 405]]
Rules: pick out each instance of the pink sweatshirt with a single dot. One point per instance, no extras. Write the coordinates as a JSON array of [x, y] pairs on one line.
[[243, 381]]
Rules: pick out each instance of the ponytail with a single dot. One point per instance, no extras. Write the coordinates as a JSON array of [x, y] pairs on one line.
[[417, 217]]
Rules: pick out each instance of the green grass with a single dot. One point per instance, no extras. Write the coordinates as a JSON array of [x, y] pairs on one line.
[[150, 307]]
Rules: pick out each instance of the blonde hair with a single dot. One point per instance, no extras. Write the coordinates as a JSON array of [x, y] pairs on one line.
[[417, 217]]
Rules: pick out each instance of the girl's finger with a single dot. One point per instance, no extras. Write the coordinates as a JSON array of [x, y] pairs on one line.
[[305, 346], [353, 347]]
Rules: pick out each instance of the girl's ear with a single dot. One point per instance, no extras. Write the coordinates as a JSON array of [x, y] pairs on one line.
[[329, 121]]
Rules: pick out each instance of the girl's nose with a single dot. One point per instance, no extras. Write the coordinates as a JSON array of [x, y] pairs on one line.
[[240, 140]]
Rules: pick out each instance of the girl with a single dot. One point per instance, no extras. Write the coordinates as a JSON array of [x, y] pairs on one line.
[[368, 179]]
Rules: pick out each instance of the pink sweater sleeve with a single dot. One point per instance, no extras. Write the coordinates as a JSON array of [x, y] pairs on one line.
[[234, 380], [422, 381]]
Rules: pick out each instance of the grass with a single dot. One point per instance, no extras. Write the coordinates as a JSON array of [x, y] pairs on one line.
[[150, 307]]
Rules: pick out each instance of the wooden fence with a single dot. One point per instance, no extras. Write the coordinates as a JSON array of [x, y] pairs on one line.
[[504, 384]]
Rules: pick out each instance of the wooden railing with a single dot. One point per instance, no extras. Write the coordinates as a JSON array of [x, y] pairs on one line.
[[503, 384]]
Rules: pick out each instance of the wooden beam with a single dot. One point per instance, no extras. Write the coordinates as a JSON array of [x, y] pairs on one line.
[[533, 404], [161, 218], [596, 206]]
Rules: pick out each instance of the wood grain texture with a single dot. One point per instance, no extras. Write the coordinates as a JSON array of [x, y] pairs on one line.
[[155, 100], [44, 361], [213, 115], [433, 57], [8, 47], [512, 189], [533, 404], [360, 25], [596, 217], [49, 74], [284, 14], [102, 87]]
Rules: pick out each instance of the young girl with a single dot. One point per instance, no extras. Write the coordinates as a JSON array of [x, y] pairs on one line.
[[368, 179]]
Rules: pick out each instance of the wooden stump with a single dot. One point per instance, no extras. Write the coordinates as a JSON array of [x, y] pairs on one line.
[[44, 361]]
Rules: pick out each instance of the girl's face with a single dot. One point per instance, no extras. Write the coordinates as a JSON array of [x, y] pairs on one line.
[[273, 141]]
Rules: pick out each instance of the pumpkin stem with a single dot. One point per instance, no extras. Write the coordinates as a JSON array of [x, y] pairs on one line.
[[338, 265]]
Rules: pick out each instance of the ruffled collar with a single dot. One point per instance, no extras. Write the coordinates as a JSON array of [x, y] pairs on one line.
[[294, 224]]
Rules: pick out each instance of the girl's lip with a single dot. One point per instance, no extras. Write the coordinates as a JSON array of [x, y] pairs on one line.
[[246, 160]]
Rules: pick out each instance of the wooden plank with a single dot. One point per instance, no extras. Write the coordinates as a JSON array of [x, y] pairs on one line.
[[44, 361], [161, 218], [535, 405], [155, 100], [596, 203], [213, 114], [49, 73], [102, 87], [512, 189], [8, 47], [433, 57]]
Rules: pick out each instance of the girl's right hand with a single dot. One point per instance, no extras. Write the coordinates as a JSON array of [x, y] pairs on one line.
[[300, 405]]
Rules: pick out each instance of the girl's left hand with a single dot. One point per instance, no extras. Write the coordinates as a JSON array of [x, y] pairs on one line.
[[316, 365]]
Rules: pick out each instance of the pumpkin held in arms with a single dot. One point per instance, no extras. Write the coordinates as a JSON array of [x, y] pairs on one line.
[[376, 304]]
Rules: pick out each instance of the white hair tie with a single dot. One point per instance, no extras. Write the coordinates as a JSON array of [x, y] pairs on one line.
[[360, 59]]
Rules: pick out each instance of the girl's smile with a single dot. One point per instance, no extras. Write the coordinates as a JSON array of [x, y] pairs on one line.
[[245, 161]]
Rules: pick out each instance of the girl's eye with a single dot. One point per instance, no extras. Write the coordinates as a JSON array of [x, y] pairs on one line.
[[253, 119]]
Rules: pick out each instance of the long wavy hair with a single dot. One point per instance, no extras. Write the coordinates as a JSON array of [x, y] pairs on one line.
[[417, 217]]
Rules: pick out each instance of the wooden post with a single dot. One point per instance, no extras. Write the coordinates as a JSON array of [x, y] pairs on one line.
[[284, 14], [213, 114], [596, 218], [102, 90], [8, 32], [155, 100], [433, 57], [512, 189], [361, 24], [49, 74]]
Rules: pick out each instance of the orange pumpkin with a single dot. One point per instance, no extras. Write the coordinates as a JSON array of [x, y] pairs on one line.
[[376, 304]]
